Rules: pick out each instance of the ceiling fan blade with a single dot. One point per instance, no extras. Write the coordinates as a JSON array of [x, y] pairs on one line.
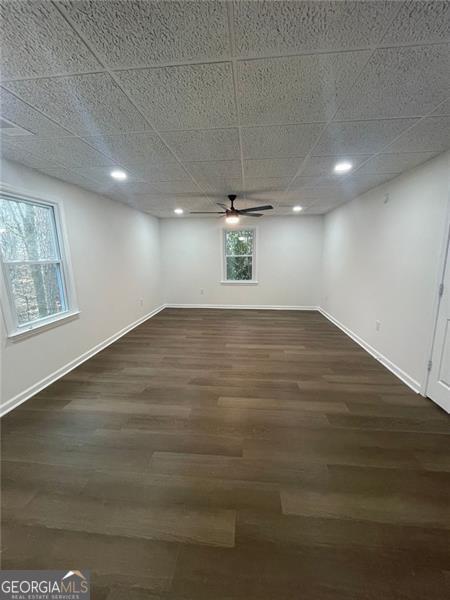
[[251, 214], [206, 212], [222, 205], [252, 199], [256, 208]]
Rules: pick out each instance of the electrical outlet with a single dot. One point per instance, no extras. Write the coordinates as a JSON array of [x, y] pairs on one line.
[[377, 325], [202, 291], [386, 198], [141, 301]]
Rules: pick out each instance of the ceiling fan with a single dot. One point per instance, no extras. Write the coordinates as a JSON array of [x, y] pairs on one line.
[[232, 214]]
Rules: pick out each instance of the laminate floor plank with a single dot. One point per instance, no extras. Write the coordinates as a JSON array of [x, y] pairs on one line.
[[215, 527], [155, 489], [283, 405], [384, 508], [228, 455], [224, 467], [423, 545], [113, 560], [269, 572], [330, 453]]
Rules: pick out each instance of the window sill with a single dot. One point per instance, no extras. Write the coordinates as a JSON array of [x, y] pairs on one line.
[[243, 282], [39, 328]]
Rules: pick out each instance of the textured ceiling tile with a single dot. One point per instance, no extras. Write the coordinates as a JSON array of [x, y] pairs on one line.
[[164, 207], [223, 185], [161, 187], [84, 104], [395, 162], [312, 186], [262, 185], [68, 176], [359, 137], [274, 198], [20, 154], [309, 195], [270, 28], [269, 89], [430, 134], [288, 204], [102, 175], [400, 82], [133, 148], [420, 22], [279, 140], [324, 165], [171, 202], [137, 187], [168, 171], [272, 167], [286, 211], [178, 187], [68, 151], [206, 144], [149, 33], [37, 41], [183, 97], [442, 109], [21, 114], [214, 170]]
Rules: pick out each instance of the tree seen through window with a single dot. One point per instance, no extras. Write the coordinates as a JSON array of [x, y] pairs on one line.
[[239, 252]]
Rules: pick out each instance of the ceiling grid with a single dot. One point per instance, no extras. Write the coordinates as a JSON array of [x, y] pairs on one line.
[[196, 100]]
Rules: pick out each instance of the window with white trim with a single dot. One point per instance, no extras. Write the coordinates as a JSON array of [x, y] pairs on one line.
[[239, 255], [35, 271]]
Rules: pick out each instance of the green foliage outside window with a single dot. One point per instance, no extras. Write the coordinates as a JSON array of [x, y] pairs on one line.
[[239, 254], [30, 253]]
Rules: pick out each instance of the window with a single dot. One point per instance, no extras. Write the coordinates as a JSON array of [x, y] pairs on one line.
[[34, 269], [239, 255]]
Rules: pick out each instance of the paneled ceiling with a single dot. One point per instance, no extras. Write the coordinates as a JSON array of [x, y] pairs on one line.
[[195, 100]]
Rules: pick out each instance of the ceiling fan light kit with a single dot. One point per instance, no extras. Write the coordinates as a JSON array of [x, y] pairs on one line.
[[232, 214]]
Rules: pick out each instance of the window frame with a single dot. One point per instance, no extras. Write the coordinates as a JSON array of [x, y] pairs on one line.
[[223, 244], [13, 329]]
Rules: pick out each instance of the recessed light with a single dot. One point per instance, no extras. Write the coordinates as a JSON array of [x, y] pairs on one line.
[[178, 211], [297, 208], [343, 167], [119, 175]]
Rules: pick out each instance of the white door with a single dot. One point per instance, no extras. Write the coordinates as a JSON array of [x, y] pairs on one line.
[[439, 380]]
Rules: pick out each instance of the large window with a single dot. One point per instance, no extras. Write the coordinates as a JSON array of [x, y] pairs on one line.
[[35, 273], [239, 255]]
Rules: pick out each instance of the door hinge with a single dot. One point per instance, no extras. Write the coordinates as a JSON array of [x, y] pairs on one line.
[[430, 364], [441, 290]]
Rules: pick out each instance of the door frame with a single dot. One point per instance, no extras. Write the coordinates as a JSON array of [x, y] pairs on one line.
[[436, 302]]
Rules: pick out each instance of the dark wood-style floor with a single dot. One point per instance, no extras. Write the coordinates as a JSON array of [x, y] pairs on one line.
[[231, 455]]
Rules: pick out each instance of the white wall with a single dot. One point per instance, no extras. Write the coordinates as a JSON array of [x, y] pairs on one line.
[[288, 262], [381, 262], [115, 254], [363, 262]]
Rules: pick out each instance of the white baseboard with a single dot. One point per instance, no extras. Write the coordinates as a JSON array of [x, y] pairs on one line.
[[407, 379], [243, 306], [43, 383]]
